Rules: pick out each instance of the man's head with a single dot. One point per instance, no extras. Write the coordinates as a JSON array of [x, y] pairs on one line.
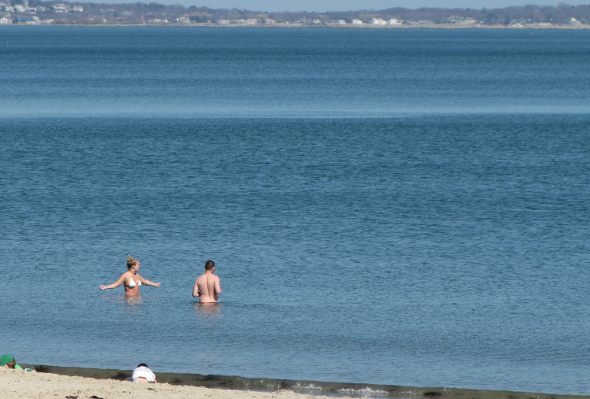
[[7, 361], [209, 266]]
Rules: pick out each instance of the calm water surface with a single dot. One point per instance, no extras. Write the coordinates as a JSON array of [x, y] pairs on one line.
[[396, 207]]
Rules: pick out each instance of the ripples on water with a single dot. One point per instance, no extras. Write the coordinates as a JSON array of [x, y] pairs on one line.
[[442, 247], [177, 72]]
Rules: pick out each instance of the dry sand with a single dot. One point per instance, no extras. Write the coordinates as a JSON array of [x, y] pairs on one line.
[[16, 384]]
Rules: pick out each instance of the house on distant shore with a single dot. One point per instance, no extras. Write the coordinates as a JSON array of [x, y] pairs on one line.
[[60, 8], [456, 20], [377, 22]]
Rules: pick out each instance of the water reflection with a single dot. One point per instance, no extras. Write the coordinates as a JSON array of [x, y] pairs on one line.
[[133, 300], [209, 313], [132, 305], [123, 299]]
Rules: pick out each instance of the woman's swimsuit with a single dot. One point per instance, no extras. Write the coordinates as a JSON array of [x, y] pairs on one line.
[[132, 284]]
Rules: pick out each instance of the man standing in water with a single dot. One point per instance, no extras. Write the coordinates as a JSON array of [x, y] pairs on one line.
[[207, 286]]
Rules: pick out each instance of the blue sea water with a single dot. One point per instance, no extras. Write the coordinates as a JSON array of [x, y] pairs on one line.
[[406, 207]]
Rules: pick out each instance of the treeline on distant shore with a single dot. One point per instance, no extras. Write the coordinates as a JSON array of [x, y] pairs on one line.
[[562, 14]]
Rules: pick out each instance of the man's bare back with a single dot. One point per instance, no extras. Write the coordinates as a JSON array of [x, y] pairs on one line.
[[207, 286]]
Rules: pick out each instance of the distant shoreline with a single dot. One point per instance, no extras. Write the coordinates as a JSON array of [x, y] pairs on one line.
[[562, 16], [366, 27]]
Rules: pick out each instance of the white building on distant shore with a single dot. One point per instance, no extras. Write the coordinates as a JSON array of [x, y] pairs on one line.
[[357, 21], [394, 22], [184, 20], [5, 21], [158, 21], [377, 22], [60, 8]]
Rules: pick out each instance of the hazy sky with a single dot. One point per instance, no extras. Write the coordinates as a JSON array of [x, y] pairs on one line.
[[342, 5]]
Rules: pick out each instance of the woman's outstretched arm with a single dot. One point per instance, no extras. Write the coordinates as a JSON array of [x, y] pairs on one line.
[[113, 285], [148, 282]]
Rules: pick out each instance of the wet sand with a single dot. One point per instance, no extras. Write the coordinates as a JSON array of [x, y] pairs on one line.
[[84, 383]]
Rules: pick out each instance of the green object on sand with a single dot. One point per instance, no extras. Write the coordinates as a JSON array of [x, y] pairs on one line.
[[5, 359]]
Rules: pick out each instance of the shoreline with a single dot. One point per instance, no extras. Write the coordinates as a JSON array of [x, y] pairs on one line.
[[346, 27], [105, 382]]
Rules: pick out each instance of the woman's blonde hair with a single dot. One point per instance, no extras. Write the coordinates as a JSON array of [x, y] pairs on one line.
[[131, 261]]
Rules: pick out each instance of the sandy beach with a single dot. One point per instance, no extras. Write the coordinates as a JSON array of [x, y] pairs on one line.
[[44, 385], [18, 384]]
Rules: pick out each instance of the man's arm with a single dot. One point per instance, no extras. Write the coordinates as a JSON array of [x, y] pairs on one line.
[[217, 287], [196, 292]]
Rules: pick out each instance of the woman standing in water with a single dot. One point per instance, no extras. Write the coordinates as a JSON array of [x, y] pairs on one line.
[[131, 279]]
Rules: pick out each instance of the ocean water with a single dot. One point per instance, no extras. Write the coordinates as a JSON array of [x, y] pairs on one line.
[[403, 207]]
